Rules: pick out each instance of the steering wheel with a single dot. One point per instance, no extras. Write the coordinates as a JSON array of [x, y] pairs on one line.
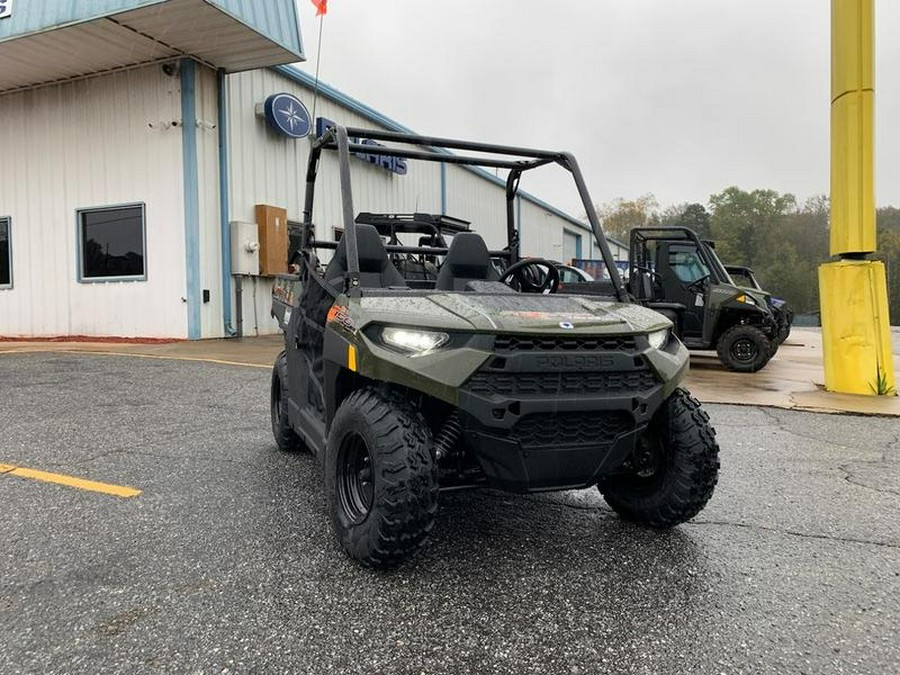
[[696, 286], [519, 277]]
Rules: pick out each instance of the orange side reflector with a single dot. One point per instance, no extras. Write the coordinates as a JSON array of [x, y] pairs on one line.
[[351, 357]]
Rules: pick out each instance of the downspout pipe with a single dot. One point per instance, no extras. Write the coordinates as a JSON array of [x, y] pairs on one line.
[[224, 215], [191, 181]]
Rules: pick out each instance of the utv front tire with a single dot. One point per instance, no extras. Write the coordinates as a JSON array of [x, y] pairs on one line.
[[285, 437], [675, 469], [744, 349], [381, 480]]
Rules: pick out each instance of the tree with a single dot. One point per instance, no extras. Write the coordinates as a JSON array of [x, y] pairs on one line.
[[620, 216], [671, 215], [696, 217], [807, 229], [746, 224], [789, 275], [888, 223]]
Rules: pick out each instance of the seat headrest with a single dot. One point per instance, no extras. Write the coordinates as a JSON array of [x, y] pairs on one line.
[[468, 259], [375, 268], [372, 254], [468, 249]]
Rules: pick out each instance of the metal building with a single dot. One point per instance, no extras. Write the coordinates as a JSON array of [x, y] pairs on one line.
[[135, 138]]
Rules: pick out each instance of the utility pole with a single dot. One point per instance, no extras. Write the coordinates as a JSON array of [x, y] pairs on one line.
[[856, 336]]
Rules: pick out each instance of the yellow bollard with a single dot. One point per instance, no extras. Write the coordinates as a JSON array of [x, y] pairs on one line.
[[855, 327], [856, 336]]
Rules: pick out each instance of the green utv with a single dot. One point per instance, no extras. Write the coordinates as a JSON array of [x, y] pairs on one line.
[[414, 365], [674, 272], [784, 316]]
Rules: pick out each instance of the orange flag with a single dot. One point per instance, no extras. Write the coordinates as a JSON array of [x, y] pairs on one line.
[[321, 7]]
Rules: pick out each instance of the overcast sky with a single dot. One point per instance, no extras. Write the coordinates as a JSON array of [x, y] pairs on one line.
[[679, 98]]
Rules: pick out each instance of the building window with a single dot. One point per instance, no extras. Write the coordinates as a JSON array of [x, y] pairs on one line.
[[295, 233], [112, 243], [5, 253]]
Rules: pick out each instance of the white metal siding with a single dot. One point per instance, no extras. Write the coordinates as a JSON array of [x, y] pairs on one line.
[[95, 142], [270, 169], [266, 168], [481, 202]]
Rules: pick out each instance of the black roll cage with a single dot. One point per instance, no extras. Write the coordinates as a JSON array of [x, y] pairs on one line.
[[747, 272], [432, 149], [641, 235]]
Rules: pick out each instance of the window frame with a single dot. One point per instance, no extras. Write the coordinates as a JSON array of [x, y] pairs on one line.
[[680, 248], [9, 286], [79, 235]]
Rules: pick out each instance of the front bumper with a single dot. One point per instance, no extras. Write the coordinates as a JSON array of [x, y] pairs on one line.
[[549, 419]]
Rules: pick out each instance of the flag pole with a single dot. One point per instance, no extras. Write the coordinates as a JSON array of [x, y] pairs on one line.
[[318, 62]]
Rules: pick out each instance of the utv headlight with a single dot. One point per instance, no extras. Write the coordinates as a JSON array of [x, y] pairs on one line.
[[746, 299], [413, 342], [658, 338]]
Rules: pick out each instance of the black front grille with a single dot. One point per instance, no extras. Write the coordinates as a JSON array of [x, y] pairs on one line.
[[569, 429], [523, 385], [524, 343]]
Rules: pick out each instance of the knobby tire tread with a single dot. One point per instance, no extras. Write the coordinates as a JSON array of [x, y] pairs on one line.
[[285, 437], [404, 473], [692, 463]]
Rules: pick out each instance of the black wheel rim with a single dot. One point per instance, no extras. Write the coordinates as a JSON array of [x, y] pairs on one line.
[[649, 462], [354, 480], [744, 350]]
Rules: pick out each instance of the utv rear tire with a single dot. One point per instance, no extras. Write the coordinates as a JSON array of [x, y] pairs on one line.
[[682, 474], [285, 437], [381, 480], [744, 349]]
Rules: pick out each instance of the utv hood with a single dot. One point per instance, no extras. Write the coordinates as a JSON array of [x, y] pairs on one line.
[[513, 313]]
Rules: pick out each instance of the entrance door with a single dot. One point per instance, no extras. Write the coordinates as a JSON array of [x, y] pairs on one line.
[[571, 247]]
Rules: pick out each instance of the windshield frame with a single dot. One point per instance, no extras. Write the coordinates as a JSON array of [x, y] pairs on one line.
[[517, 160]]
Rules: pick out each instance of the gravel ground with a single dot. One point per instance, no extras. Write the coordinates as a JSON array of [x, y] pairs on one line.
[[226, 562]]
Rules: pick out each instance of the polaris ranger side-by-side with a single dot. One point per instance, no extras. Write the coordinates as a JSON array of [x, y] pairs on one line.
[[674, 272], [415, 366], [744, 277]]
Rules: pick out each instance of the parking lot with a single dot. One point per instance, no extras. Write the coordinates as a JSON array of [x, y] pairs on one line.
[[225, 561]]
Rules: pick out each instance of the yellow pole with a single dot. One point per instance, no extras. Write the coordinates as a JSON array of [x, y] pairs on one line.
[[855, 325]]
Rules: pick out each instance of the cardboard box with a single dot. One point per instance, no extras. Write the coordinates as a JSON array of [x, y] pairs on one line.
[[273, 240]]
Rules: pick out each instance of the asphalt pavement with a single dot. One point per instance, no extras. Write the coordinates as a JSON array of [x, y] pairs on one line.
[[226, 562]]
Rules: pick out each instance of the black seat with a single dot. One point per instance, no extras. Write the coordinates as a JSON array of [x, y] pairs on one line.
[[375, 268], [467, 260]]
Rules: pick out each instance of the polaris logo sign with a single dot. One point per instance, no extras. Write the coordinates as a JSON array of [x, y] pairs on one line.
[[287, 115], [5, 9], [395, 165]]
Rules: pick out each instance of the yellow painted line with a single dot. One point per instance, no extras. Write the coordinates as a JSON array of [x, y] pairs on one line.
[[159, 357], [69, 481], [200, 359]]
